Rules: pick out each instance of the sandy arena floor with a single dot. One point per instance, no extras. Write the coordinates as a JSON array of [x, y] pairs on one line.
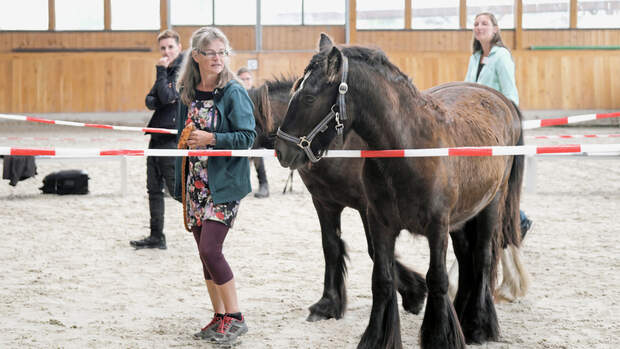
[[70, 279]]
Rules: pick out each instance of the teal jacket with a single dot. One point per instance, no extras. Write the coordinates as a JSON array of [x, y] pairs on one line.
[[229, 177], [498, 72]]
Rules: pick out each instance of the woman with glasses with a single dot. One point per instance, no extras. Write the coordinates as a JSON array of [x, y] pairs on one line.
[[215, 103]]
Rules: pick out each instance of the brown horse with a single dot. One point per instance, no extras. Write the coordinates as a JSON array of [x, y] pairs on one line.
[[324, 182], [474, 199]]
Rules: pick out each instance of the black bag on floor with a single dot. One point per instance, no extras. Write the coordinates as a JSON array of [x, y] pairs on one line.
[[66, 182]]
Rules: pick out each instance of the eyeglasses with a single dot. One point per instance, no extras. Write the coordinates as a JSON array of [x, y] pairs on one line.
[[211, 54]]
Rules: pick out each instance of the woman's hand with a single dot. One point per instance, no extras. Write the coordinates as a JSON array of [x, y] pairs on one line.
[[200, 139]]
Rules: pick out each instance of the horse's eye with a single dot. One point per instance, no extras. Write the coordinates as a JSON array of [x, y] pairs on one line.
[[308, 99]]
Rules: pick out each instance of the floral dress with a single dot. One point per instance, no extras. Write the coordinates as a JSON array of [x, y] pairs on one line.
[[200, 205]]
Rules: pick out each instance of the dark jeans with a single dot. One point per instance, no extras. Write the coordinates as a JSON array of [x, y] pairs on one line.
[[159, 171], [259, 163]]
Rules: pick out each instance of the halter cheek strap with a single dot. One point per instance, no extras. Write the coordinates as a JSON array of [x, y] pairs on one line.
[[304, 142]]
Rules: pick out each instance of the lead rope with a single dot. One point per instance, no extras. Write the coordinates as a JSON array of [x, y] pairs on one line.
[[183, 145]]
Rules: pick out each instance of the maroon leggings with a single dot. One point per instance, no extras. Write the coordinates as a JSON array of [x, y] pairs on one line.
[[210, 238]]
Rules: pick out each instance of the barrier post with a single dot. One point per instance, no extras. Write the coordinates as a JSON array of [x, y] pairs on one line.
[[123, 176], [530, 174]]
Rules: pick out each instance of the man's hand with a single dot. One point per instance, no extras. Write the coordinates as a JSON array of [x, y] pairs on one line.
[[163, 62]]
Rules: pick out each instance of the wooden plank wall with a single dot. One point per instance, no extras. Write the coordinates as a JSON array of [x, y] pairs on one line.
[[75, 82], [118, 81], [424, 41], [111, 82], [10, 41], [297, 38]]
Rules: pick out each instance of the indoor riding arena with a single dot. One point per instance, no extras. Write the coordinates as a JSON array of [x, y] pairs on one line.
[[309, 271]]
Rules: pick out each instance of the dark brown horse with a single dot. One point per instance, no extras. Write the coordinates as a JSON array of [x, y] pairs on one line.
[[476, 199], [321, 180]]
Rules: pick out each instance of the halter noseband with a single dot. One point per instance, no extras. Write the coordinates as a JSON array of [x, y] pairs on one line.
[[304, 142]]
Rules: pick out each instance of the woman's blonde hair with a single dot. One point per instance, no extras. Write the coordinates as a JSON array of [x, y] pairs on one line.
[[189, 75], [496, 40]]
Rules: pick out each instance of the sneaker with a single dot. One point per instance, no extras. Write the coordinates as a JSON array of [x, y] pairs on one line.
[[149, 242], [208, 331], [229, 330], [526, 225]]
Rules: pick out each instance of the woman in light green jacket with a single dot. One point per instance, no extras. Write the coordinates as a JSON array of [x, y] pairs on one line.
[[491, 64]]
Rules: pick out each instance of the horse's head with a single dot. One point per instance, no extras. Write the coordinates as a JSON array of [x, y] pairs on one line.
[[316, 110], [270, 103]]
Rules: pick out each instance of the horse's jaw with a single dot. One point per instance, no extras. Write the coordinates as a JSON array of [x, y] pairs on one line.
[[289, 156]]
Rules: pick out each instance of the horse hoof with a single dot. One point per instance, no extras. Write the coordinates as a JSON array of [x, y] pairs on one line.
[[316, 317], [413, 306]]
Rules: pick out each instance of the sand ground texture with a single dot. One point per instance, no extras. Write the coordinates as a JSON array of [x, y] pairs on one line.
[[69, 278]]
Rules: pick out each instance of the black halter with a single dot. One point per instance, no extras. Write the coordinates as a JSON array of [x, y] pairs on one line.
[[304, 141]]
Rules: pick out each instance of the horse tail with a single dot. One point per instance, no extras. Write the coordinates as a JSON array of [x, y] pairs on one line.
[[511, 231], [510, 236]]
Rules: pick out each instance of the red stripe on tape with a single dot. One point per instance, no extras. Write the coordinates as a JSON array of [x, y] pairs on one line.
[[209, 153], [470, 152], [552, 122], [608, 115], [100, 126], [559, 149], [128, 152], [383, 153], [31, 152], [30, 118], [150, 130]]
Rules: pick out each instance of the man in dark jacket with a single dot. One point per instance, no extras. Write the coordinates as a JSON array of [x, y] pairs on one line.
[[163, 99]]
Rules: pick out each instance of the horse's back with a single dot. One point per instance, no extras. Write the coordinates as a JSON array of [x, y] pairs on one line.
[[479, 115]]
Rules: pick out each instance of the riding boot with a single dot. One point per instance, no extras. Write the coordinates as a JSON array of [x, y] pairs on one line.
[[157, 239], [157, 209]]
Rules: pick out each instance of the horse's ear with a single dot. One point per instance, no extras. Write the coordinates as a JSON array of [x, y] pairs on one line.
[[325, 43], [334, 64]]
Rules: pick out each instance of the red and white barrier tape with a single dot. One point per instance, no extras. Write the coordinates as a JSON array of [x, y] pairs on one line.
[[142, 139], [399, 153], [81, 124], [530, 124], [73, 139], [527, 124], [614, 135]]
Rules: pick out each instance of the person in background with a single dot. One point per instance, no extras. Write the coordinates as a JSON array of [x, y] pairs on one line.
[[245, 75], [162, 98], [220, 110], [491, 64]]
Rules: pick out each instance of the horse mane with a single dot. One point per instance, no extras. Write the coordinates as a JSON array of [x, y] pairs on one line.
[[376, 59], [280, 84]]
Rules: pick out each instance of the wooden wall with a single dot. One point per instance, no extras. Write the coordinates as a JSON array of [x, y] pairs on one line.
[[424, 41], [296, 38], [111, 82], [118, 81], [19, 40], [75, 82]]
